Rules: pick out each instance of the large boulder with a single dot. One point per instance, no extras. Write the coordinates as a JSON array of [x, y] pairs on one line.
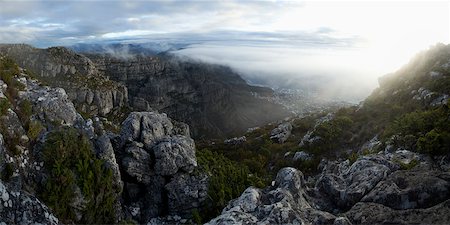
[[411, 189], [346, 184], [281, 133], [283, 203], [374, 213], [146, 127], [173, 154], [51, 105], [157, 156], [186, 192]]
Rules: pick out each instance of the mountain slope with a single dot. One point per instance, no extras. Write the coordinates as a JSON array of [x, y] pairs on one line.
[[212, 99], [384, 161]]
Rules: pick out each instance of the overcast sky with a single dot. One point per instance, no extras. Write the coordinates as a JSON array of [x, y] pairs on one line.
[[362, 39]]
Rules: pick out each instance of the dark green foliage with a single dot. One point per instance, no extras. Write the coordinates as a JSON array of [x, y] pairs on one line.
[[434, 142], [25, 109], [424, 131], [228, 179], [196, 216], [8, 69], [333, 134], [69, 159], [4, 106]]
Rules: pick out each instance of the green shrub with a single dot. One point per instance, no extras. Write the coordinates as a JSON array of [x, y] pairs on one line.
[[25, 111], [69, 159], [424, 131], [34, 129], [4, 106], [228, 179], [8, 69], [434, 142]]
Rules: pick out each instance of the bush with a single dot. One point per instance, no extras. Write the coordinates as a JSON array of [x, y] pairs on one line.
[[8, 69], [34, 129], [228, 179], [434, 142], [4, 106], [424, 131], [71, 164]]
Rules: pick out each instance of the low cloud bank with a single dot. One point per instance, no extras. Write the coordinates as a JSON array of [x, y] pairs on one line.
[[337, 73]]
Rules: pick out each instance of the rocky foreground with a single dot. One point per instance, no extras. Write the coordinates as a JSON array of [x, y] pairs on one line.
[[151, 160], [375, 189]]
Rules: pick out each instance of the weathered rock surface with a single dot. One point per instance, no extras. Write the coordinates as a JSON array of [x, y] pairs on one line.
[[281, 133], [186, 192], [174, 154], [372, 190], [50, 105], [90, 90], [18, 207], [346, 184], [284, 203], [157, 158]]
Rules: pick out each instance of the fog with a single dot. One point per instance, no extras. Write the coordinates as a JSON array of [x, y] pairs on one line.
[[333, 73]]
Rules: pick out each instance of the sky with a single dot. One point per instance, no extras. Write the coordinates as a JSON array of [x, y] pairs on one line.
[[342, 44]]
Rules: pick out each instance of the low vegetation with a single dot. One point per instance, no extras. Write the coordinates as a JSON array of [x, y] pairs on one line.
[[228, 179], [72, 166]]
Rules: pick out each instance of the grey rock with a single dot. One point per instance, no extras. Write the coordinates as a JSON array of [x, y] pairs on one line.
[[284, 203], [12, 126], [105, 152], [281, 133], [146, 127], [51, 105], [342, 221], [235, 140], [410, 189], [89, 89], [18, 207], [137, 164], [186, 192], [373, 213], [174, 154], [302, 155]]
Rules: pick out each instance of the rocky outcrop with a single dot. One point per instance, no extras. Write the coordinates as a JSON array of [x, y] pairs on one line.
[[212, 99], [281, 133], [18, 207], [50, 105], [284, 203], [157, 159], [91, 91], [372, 190]]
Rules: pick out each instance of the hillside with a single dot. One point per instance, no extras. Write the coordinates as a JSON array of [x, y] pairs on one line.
[[385, 160]]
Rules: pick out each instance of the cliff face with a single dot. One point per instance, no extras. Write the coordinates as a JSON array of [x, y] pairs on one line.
[[91, 92], [212, 99]]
